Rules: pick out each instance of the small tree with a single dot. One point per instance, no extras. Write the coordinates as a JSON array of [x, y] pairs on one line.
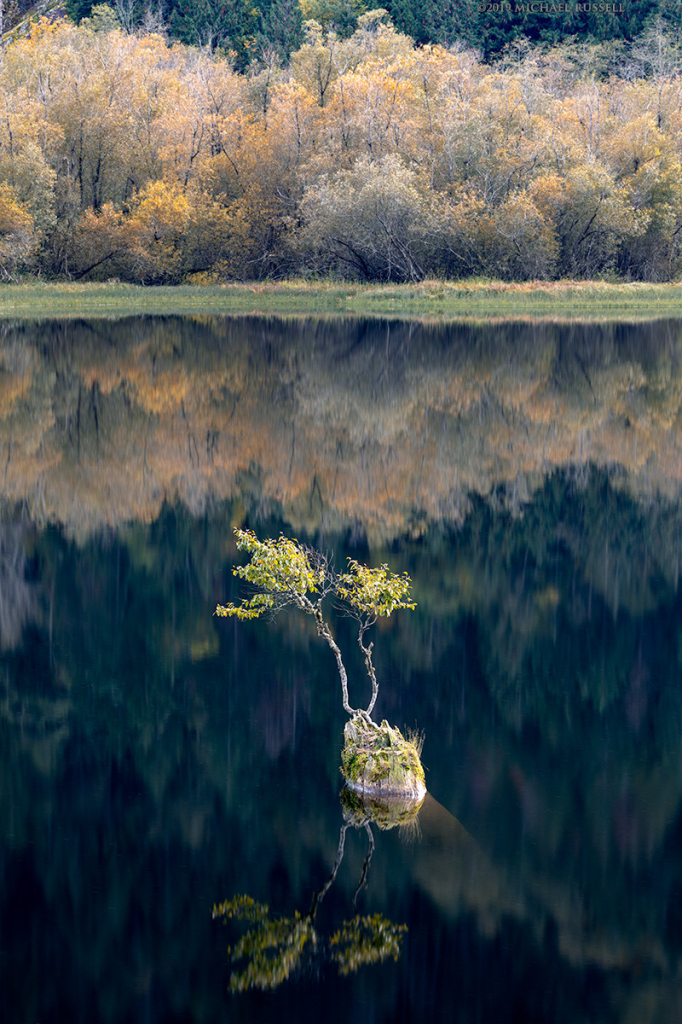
[[284, 572]]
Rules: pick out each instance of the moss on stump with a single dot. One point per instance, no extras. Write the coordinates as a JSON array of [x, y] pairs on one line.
[[378, 760]]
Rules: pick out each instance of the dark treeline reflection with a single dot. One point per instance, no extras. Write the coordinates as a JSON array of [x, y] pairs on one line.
[[154, 760]]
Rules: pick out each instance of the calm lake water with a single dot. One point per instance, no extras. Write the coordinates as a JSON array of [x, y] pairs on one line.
[[156, 761]]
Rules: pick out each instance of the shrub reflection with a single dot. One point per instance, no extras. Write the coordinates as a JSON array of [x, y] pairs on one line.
[[273, 948]]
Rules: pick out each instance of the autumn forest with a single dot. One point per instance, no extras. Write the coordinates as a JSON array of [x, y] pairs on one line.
[[134, 157]]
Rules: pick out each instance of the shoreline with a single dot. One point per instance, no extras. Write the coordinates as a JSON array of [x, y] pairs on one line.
[[439, 301]]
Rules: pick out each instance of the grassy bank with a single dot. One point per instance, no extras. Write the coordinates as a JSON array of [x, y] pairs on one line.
[[566, 300]]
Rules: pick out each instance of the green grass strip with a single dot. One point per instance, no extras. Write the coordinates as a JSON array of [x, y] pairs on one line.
[[581, 301]]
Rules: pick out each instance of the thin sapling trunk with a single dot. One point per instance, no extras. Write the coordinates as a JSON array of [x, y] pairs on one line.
[[375, 759]]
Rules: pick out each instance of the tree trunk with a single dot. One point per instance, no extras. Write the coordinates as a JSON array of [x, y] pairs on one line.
[[323, 631], [367, 651]]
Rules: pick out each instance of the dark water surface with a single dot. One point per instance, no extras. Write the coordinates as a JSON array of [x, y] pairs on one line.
[[155, 761]]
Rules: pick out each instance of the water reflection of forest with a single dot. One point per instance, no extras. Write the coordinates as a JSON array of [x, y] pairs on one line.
[[543, 660], [374, 427]]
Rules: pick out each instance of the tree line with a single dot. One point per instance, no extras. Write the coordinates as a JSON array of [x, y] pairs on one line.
[[123, 155], [244, 27]]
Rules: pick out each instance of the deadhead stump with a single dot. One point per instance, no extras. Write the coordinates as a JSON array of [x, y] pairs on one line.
[[379, 761]]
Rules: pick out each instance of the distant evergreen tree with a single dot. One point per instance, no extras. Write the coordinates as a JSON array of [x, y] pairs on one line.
[[492, 31], [670, 12], [281, 25], [236, 24], [78, 9], [229, 24]]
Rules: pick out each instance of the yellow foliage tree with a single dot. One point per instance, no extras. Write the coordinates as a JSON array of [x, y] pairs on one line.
[[537, 166], [158, 226], [16, 232]]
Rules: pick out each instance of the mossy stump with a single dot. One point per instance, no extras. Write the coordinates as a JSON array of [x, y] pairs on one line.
[[378, 760]]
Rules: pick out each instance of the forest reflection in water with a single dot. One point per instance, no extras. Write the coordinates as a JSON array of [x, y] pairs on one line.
[[155, 761], [373, 426]]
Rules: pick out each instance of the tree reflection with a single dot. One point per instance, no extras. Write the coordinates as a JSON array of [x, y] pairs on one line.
[[18, 598], [273, 948], [365, 940], [373, 427]]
